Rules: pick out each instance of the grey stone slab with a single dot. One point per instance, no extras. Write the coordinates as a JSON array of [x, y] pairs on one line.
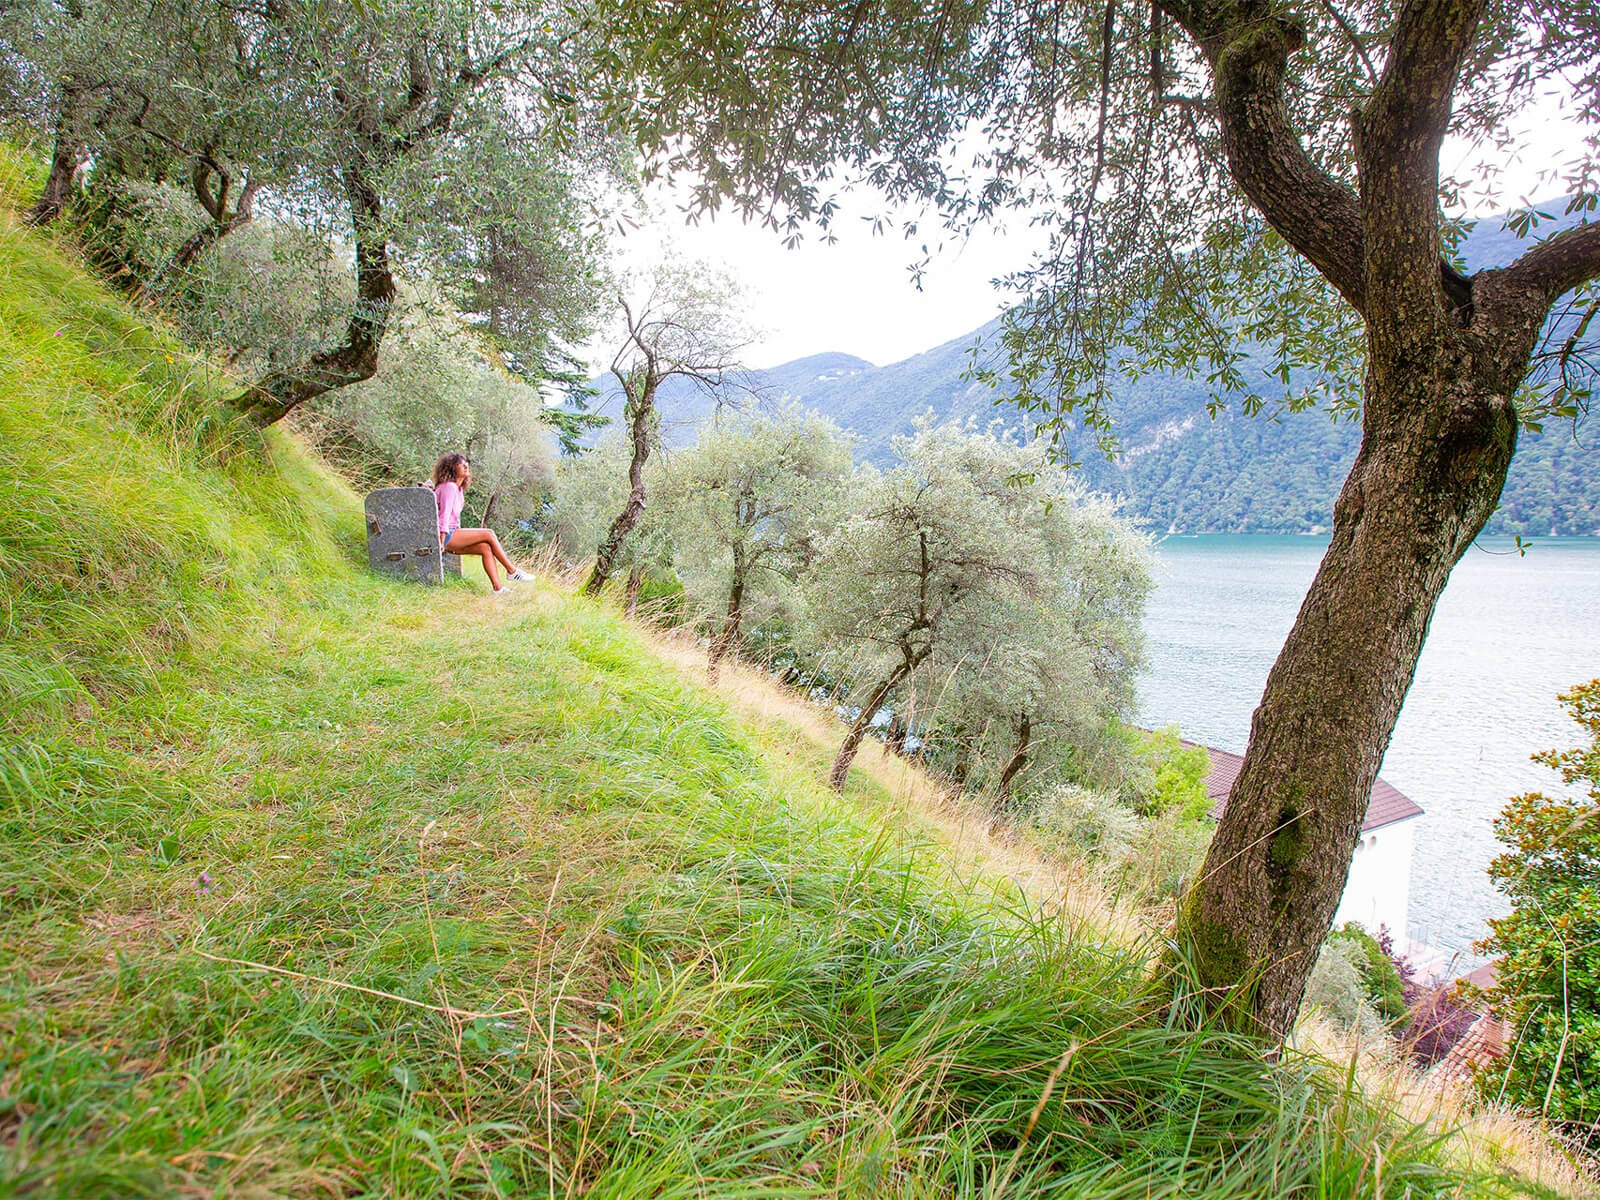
[[403, 534]]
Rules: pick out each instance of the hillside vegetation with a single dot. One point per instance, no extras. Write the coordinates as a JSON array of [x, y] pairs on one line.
[[316, 883]]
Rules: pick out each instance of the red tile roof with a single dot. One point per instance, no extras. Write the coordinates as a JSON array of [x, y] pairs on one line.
[[1386, 807], [1479, 1046]]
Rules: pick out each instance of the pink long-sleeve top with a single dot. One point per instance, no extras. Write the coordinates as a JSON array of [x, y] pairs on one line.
[[448, 497]]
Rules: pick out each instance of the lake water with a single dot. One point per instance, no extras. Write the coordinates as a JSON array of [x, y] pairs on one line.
[[1509, 634]]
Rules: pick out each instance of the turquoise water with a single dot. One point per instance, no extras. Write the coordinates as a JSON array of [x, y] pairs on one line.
[[1510, 633]]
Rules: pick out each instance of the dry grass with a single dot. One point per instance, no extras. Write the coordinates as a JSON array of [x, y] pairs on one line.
[[1484, 1137], [978, 842]]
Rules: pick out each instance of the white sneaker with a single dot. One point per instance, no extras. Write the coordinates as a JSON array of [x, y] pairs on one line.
[[520, 576], [499, 591]]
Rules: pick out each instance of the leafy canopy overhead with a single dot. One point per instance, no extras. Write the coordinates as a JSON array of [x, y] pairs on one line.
[[1099, 122]]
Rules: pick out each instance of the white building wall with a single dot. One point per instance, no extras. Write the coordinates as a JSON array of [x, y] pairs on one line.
[[1378, 891]]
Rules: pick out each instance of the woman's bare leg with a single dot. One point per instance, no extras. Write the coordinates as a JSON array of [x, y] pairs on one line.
[[472, 539], [486, 546], [490, 569]]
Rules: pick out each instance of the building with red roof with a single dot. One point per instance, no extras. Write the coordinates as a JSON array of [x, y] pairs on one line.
[[1378, 890]]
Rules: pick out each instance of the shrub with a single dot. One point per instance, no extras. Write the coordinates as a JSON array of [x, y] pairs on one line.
[[1084, 820], [1548, 986], [1176, 779], [1338, 990], [1438, 1019], [1379, 974]]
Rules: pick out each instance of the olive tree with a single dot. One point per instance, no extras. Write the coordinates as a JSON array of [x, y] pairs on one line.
[[677, 321], [444, 137], [206, 98], [745, 508], [1054, 665], [933, 544], [590, 487], [1216, 176]]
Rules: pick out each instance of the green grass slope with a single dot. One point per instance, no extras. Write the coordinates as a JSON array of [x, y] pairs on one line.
[[318, 884]]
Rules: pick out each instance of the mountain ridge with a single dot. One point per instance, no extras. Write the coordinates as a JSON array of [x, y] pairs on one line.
[[1180, 467]]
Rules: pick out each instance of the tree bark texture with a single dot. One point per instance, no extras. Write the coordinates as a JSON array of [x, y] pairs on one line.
[[639, 410], [65, 158], [1014, 765], [1276, 869], [1445, 358], [274, 397]]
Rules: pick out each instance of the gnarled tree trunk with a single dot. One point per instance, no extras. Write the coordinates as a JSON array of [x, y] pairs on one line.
[[605, 559], [1014, 765], [356, 358], [223, 220], [858, 728], [65, 159], [1446, 355], [1276, 869]]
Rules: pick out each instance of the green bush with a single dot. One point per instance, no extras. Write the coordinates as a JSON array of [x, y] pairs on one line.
[[1338, 990], [1076, 818], [1176, 778], [1379, 976], [1152, 857], [1548, 987]]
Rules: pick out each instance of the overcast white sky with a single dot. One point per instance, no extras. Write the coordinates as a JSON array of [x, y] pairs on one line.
[[856, 296]]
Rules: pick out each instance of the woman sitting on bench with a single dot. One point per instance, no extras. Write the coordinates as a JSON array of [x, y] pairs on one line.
[[451, 474]]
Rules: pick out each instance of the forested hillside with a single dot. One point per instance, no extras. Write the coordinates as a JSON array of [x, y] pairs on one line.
[[1180, 468]]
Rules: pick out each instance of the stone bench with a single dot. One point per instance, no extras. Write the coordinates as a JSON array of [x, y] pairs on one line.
[[403, 535]]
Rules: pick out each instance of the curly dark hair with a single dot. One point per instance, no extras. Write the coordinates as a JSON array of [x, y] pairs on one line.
[[448, 468]]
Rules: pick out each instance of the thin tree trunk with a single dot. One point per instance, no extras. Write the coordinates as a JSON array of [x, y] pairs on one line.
[[275, 396], [1422, 487], [728, 636], [605, 559], [64, 161], [895, 740], [630, 603], [223, 219], [962, 767], [204, 239], [488, 509], [1018, 760], [863, 722]]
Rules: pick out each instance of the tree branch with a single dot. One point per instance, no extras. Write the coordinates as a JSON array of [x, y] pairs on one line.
[[1558, 264], [1317, 215], [1398, 134]]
